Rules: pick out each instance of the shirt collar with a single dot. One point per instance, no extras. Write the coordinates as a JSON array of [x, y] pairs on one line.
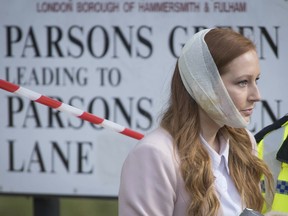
[[223, 152]]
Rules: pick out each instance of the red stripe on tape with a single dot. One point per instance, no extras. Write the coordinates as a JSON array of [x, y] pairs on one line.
[[132, 133], [8, 86], [49, 102], [91, 118]]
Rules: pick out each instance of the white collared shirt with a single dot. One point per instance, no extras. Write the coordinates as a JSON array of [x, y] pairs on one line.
[[228, 195]]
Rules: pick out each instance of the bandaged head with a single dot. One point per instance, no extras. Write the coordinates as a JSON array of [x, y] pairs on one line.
[[203, 82]]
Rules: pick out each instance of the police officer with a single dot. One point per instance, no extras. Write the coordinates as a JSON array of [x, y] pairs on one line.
[[273, 149]]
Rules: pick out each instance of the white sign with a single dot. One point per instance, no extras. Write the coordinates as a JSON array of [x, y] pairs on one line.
[[113, 59]]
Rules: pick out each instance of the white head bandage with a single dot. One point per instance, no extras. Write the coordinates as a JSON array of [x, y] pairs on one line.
[[203, 82]]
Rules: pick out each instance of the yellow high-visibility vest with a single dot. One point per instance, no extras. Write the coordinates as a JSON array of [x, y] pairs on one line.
[[273, 149]]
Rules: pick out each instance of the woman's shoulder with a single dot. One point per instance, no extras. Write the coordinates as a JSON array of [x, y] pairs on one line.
[[159, 140], [154, 152], [158, 135]]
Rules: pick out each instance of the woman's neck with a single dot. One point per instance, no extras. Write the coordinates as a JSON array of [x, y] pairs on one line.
[[209, 130]]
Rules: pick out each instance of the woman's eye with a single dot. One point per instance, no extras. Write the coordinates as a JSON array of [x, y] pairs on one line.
[[243, 83], [257, 80]]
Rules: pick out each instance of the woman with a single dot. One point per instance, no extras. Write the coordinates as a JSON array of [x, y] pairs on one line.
[[201, 160]]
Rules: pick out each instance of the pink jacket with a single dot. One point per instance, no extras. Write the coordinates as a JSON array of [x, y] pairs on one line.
[[160, 192]]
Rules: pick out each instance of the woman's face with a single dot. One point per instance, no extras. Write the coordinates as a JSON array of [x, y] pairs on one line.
[[240, 79]]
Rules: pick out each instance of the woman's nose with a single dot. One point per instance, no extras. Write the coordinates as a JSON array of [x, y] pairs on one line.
[[255, 93]]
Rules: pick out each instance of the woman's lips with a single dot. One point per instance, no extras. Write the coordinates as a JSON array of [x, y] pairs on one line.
[[247, 112]]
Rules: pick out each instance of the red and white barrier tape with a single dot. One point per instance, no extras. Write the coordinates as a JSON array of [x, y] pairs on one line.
[[55, 104]]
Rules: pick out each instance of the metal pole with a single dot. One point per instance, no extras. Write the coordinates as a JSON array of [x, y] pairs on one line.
[[46, 206]]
